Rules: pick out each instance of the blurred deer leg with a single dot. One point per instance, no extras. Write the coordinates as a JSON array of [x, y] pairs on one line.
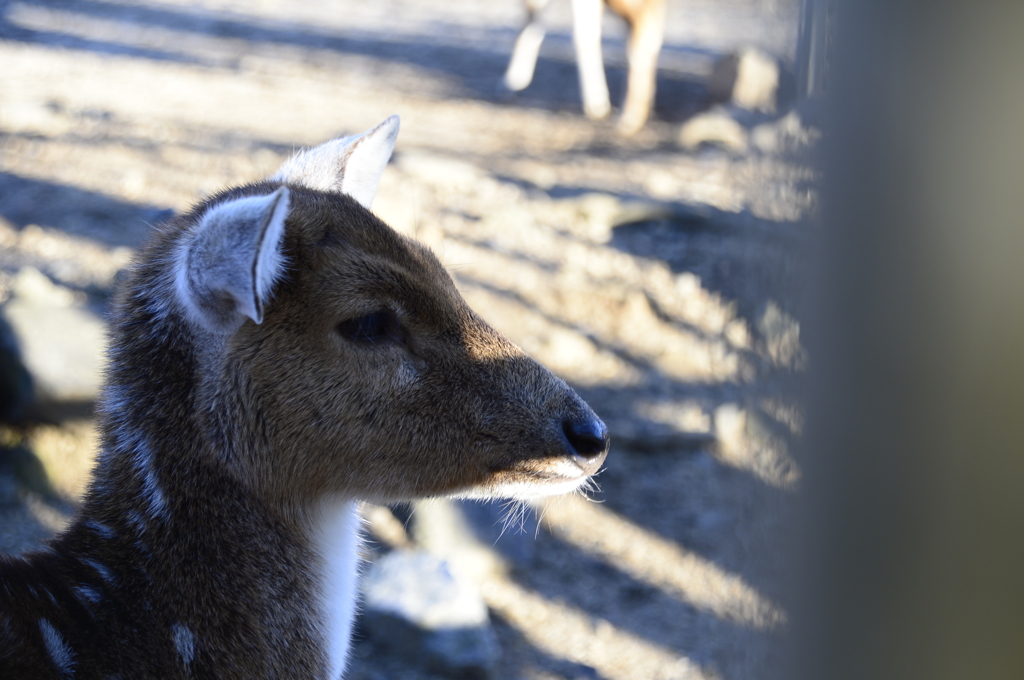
[[586, 19], [524, 55]]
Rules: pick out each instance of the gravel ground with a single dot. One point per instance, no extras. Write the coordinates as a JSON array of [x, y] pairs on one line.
[[664, 284]]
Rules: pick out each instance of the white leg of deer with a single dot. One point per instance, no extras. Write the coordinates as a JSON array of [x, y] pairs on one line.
[[524, 55], [586, 19]]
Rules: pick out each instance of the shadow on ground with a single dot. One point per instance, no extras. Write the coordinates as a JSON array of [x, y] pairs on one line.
[[76, 211]]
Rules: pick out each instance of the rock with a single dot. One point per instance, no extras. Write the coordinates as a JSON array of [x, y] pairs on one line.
[[62, 342], [33, 287], [781, 334], [415, 606], [714, 127], [749, 79], [786, 135]]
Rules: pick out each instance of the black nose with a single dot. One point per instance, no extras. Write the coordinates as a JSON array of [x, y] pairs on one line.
[[589, 440]]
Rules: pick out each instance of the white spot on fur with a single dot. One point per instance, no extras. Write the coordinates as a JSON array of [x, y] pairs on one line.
[[407, 375], [114, 402], [127, 440], [136, 520], [151, 491], [156, 305], [102, 570], [62, 656], [101, 529], [336, 539], [184, 642], [155, 494], [87, 594]]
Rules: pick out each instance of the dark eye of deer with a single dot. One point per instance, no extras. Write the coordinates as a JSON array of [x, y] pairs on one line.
[[371, 329]]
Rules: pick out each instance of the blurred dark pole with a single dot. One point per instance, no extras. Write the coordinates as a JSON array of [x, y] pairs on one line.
[[814, 46], [914, 560]]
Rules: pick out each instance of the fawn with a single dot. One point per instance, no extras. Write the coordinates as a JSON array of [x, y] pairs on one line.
[[646, 19], [277, 355]]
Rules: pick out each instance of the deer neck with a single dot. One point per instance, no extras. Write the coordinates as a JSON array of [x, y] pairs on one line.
[[205, 550]]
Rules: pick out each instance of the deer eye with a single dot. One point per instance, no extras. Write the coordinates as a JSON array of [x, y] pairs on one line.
[[380, 326]]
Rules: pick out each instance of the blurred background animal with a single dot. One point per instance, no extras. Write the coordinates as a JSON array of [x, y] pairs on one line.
[[646, 19]]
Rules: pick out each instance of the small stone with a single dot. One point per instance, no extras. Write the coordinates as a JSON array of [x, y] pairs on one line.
[[787, 134], [415, 606], [65, 366], [749, 79], [714, 127], [781, 333], [33, 287]]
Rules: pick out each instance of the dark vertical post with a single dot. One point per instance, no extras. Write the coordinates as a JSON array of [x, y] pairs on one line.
[[913, 565]]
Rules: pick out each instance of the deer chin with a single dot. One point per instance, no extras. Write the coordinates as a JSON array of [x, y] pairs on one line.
[[535, 480]]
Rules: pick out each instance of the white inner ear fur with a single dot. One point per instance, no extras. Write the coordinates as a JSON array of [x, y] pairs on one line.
[[227, 266], [349, 165]]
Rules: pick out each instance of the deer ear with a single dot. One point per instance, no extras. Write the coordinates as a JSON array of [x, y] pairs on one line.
[[350, 165], [227, 266]]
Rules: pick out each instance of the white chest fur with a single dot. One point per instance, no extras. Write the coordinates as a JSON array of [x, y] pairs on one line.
[[336, 538]]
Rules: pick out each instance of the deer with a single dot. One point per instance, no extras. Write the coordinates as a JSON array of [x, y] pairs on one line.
[[646, 19], [277, 356]]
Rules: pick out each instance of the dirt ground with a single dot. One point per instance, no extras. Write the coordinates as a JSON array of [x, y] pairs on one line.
[[663, 284]]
